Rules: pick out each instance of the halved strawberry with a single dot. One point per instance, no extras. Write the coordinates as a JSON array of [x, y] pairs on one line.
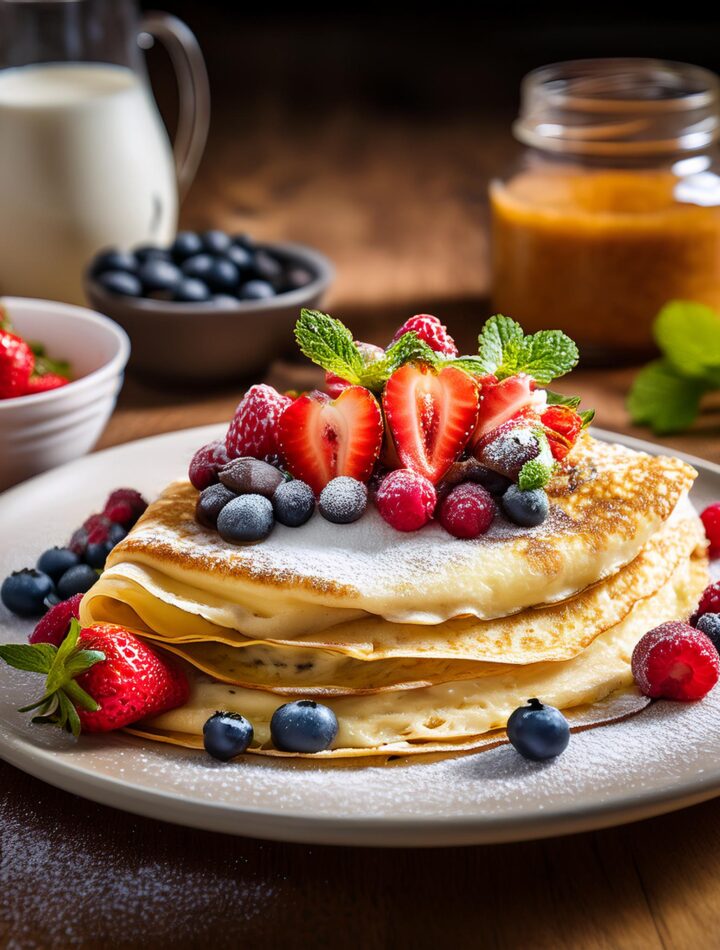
[[321, 438], [562, 427], [431, 416], [501, 401]]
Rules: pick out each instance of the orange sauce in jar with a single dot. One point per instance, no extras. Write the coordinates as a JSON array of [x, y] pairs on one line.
[[597, 235]]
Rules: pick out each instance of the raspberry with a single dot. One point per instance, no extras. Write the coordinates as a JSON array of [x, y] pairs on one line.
[[78, 541], [254, 428], [206, 464], [675, 661], [711, 521], [406, 499], [430, 331], [709, 602], [54, 625], [468, 511], [124, 506]]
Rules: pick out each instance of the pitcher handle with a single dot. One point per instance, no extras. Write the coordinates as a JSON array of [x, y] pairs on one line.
[[193, 89]]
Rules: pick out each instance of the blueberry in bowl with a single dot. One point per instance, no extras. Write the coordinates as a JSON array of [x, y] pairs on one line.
[[209, 307]]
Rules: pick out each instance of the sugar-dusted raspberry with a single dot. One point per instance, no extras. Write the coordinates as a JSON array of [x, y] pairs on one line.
[[254, 428], [124, 506], [675, 661], [406, 499], [468, 511], [709, 602], [53, 627], [431, 331], [205, 465], [711, 520]]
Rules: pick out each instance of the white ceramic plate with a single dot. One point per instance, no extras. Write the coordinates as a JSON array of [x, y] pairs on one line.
[[665, 758]]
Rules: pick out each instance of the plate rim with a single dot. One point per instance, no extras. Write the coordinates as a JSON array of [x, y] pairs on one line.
[[360, 830]]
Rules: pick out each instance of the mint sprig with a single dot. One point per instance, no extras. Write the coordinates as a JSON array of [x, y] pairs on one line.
[[666, 394], [328, 342], [504, 350], [537, 472]]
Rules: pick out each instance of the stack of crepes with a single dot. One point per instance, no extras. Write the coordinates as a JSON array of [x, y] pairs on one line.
[[419, 642]]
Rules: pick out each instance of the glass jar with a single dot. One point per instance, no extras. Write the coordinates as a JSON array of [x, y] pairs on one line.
[[614, 208]]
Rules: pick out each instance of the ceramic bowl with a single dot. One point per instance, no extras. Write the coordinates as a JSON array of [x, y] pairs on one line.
[[47, 429], [207, 342]]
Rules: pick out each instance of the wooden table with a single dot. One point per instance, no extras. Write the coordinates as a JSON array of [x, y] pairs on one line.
[[75, 873]]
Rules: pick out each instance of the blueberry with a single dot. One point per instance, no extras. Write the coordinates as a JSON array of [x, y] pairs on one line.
[[225, 300], [256, 290], [113, 259], [55, 561], [97, 552], [537, 731], [294, 503], [158, 274], [198, 266], [191, 290], [116, 533], [343, 500], [247, 518], [223, 275], [240, 257], [494, 482], [251, 476], [151, 252], [244, 240], [266, 267], [226, 735], [186, 244], [710, 626], [525, 508], [215, 242], [24, 592], [52, 600], [296, 277], [76, 580], [210, 503], [120, 282], [303, 726]]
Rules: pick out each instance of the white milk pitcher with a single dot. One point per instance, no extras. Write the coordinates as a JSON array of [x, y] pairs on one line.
[[85, 161]]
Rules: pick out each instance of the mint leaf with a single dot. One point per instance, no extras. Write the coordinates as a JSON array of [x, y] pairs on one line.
[[534, 474], [587, 416], [35, 658], [560, 399], [407, 349], [498, 343], [470, 364], [664, 399], [328, 342], [546, 355], [689, 335]]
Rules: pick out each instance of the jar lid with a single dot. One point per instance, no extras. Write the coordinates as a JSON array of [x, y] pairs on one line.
[[619, 107]]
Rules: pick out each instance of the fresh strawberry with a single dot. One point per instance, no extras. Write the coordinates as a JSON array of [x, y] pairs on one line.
[[431, 416], [254, 428], [124, 506], [43, 384], [501, 401], [54, 626], [370, 354], [103, 678], [16, 365], [562, 427], [431, 331], [321, 438]]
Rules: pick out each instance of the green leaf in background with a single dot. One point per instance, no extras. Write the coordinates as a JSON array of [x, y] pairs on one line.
[[328, 342], [504, 350], [689, 336], [664, 399]]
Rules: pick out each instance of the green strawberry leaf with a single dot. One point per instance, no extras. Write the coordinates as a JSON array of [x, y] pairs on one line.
[[664, 399], [587, 416], [328, 343]]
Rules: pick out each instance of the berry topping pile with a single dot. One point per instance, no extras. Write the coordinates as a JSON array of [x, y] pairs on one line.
[[213, 267], [25, 367], [416, 429], [62, 573]]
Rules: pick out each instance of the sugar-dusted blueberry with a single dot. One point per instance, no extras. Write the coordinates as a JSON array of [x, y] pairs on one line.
[[113, 259], [246, 518], [525, 508], [158, 274], [251, 476], [120, 282], [303, 726], [266, 267], [710, 626], [191, 290], [343, 500], [76, 580], [294, 503], [55, 561], [211, 502], [24, 592], [256, 290], [538, 731], [186, 244], [216, 242], [227, 734]]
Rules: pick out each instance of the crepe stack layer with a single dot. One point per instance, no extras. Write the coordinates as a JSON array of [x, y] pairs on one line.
[[419, 642]]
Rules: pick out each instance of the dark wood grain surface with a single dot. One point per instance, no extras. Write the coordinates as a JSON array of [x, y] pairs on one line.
[[401, 209]]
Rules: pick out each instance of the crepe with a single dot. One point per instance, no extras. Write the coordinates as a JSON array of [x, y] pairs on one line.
[[605, 507], [454, 715]]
